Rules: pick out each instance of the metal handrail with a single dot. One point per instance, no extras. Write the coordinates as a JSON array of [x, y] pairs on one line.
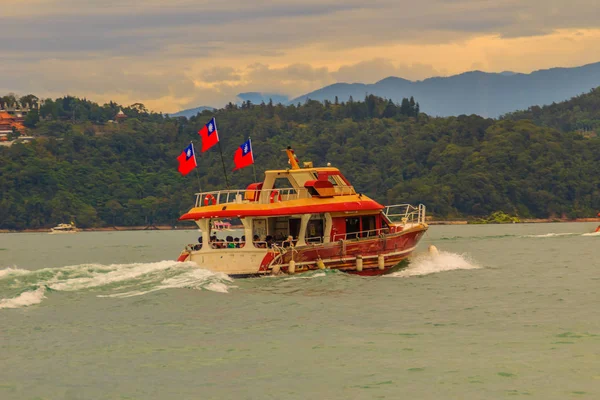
[[406, 213], [361, 234], [314, 240], [249, 196], [240, 196]]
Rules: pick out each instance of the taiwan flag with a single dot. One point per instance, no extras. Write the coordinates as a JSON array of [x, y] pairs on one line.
[[243, 155], [209, 135], [187, 160]]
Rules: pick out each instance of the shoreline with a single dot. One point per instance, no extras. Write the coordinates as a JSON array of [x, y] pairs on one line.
[[523, 221], [110, 229], [191, 227]]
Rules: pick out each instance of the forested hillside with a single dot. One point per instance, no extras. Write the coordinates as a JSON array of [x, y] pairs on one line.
[[581, 113], [98, 173]]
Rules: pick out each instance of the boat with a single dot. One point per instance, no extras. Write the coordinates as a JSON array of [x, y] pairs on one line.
[[64, 228], [302, 219], [221, 225]]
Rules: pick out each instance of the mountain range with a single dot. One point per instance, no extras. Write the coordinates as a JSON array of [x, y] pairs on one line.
[[475, 92], [191, 112]]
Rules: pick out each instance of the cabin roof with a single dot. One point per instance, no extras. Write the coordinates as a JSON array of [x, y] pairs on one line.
[[345, 204]]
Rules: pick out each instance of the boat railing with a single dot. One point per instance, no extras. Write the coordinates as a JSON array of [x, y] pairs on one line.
[[241, 196], [314, 240], [361, 234], [405, 213]]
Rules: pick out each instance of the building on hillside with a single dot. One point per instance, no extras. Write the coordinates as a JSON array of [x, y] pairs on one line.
[[8, 122], [15, 110], [120, 115]]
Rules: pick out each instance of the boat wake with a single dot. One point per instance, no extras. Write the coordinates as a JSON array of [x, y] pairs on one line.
[[434, 262], [552, 235], [22, 288], [592, 234]]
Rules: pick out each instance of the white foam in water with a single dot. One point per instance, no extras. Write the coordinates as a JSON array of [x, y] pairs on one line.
[[591, 234], [24, 299], [12, 271], [194, 279], [317, 275], [139, 278], [431, 263]]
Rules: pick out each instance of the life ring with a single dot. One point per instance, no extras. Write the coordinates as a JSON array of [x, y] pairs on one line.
[[209, 200], [275, 193]]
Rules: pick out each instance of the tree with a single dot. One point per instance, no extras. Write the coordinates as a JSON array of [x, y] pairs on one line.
[[31, 119]]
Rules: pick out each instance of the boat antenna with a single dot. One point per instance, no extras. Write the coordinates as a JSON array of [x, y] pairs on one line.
[[292, 158]]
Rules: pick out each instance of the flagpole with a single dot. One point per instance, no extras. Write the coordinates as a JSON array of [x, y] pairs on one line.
[[221, 152], [253, 165], [223, 162], [196, 168]]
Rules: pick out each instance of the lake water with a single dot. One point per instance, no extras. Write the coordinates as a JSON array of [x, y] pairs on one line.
[[503, 310]]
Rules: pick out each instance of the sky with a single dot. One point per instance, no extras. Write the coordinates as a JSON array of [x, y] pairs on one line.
[[177, 54]]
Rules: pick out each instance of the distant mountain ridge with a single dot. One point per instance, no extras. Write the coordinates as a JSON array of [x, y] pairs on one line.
[[475, 92], [192, 112]]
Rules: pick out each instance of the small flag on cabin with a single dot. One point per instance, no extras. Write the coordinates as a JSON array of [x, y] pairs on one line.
[[243, 155], [187, 160], [209, 135]]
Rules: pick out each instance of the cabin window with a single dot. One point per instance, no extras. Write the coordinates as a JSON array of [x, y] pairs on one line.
[[279, 228], [259, 228], [369, 226], [314, 230], [352, 227], [294, 227], [282, 183]]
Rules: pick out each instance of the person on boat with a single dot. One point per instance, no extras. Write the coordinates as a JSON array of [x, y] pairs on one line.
[[236, 242], [230, 244], [269, 240], [289, 242], [257, 243], [215, 242], [199, 245]]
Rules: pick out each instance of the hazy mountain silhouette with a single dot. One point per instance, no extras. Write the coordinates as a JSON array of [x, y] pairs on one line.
[[190, 112], [475, 92]]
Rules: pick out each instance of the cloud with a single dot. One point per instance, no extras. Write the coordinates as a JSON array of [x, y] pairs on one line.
[[172, 54], [220, 74]]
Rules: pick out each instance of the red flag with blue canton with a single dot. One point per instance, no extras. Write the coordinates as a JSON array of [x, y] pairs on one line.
[[243, 155], [209, 135], [187, 160]]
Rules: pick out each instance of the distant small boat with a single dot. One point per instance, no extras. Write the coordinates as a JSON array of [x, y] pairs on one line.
[[220, 225], [64, 228]]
